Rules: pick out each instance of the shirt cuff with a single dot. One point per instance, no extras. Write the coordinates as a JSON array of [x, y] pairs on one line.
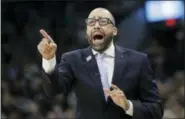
[[49, 65], [130, 110]]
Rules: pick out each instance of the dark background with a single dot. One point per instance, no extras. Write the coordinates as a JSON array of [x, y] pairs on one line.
[[21, 85]]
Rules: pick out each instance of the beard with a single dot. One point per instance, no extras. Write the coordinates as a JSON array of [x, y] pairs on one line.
[[102, 44]]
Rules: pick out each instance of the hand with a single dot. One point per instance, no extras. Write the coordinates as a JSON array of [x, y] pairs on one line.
[[118, 97], [47, 46]]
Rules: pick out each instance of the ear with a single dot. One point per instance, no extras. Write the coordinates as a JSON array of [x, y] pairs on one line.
[[115, 31], [86, 36]]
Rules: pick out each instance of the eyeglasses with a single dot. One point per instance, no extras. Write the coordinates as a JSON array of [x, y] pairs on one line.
[[101, 21]]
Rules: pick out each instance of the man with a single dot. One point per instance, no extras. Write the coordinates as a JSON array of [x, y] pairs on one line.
[[110, 82]]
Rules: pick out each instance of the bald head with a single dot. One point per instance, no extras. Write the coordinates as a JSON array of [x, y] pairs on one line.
[[102, 12]]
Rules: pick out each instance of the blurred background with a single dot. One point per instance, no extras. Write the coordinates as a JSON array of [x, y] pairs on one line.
[[152, 27]]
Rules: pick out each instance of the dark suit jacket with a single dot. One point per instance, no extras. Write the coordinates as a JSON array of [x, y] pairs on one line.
[[132, 74]]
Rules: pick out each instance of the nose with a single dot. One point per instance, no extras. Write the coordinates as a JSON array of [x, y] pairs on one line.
[[96, 26]]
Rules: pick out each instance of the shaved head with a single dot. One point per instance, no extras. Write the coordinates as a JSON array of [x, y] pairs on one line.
[[106, 12]]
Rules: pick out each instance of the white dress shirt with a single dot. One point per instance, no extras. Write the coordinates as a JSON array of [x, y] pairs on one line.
[[49, 65], [109, 56]]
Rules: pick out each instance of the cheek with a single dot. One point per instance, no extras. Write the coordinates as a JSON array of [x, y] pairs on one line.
[[88, 30], [88, 34], [109, 33]]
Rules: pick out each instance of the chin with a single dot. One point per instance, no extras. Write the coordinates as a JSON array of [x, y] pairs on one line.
[[99, 48]]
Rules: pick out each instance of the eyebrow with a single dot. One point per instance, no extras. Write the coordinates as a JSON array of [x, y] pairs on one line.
[[98, 17], [102, 17]]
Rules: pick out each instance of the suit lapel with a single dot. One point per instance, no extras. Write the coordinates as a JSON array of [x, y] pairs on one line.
[[121, 58], [119, 64], [92, 67], [93, 71]]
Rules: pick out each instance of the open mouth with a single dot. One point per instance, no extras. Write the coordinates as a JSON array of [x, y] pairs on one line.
[[98, 36]]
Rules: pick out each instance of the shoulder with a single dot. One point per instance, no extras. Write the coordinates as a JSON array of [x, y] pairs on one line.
[[134, 55], [131, 52], [136, 58], [73, 54]]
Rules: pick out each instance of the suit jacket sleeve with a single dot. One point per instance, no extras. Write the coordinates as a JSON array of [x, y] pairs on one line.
[[149, 105], [60, 80]]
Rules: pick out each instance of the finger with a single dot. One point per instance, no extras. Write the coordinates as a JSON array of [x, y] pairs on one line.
[[119, 92], [41, 45], [44, 45], [115, 87], [107, 91], [44, 34], [121, 95], [116, 95], [53, 45], [45, 41], [116, 92], [51, 40], [113, 94]]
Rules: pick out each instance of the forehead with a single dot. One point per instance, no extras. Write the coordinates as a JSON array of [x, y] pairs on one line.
[[100, 14]]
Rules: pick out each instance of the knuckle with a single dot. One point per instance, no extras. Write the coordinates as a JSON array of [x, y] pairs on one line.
[[44, 39]]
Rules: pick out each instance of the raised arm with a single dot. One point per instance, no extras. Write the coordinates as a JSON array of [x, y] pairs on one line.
[[58, 78]]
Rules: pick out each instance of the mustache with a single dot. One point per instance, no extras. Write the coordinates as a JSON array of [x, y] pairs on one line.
[[101, 31]]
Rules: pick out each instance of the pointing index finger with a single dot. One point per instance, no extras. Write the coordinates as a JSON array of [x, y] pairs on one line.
[[45, 34]]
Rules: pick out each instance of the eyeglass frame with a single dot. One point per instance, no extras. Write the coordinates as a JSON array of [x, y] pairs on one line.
[[109, 21]]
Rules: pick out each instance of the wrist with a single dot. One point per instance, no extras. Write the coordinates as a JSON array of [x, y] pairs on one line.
[[49, 57]]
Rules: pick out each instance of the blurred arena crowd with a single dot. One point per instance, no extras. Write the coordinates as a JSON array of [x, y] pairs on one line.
[[22, 95]]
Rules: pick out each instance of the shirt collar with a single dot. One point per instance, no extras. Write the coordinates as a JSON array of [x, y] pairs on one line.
[[110, 51]]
